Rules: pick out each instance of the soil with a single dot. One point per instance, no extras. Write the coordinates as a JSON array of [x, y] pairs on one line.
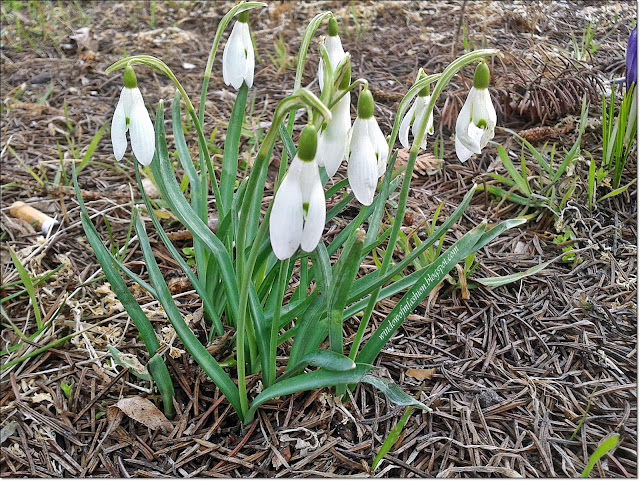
[[526, 379]]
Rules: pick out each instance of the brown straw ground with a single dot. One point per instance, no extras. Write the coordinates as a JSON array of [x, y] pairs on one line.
[[524, 380]]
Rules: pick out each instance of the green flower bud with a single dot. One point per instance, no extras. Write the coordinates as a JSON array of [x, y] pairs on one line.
[[129, 78], [308, 144], [244, 17], [333, 27], [365, 105], [482, 77]]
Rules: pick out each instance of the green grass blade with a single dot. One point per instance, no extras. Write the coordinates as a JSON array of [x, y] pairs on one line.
[[391, 439], [92, 147], [28, 285], [520, 181], [608, 444]]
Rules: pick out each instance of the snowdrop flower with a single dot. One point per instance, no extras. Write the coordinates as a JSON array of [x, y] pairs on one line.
[[368, 152], [299, 211], [132, 115], [477, 119], [414, 117], [334, 50], [333, 141], [238, 61]]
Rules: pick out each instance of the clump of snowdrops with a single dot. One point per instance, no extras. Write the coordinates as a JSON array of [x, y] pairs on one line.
[[244, 271]]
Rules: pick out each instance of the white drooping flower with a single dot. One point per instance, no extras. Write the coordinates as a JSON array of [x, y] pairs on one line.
[[238, 60], [477, 119], [333, 141], [131, 115], [368, 152], [334, 50], [299, 211], [414, 117]]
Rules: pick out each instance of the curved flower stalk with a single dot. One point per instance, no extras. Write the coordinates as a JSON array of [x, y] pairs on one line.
[[238, 61], [132, 115], [415, 116], [335, 52], [477, 119], [298, 213], [368, 151]]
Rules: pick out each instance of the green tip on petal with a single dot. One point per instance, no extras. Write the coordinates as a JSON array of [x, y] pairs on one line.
[[129, 78], [308, 144], [482, 77], [244, 17], [365, 105], [482, 124], [333, 27]]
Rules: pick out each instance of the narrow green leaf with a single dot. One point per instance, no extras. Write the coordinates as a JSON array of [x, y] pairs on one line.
[[617, 191], [186, 335], [391, 438], [231, 149], [92, 147], [28, 285], [306, 382], [393, 393], [161, 376], [520, 181], [608, 444], [429, 278]]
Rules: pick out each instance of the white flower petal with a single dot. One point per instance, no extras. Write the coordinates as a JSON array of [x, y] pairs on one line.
[[250, 57], [336, 54], [462, 152], [380, 146], [362, 169], [462, 126], [333, 141], [286, 221], [475, 135], [143, 140], [403, 133], [119, 129], [483, 108], [315, 218], [421, 111], [234, 57]]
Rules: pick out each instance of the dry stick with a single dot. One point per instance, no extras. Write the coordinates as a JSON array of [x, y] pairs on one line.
[[455, 41], [239, 446], [100, 394]]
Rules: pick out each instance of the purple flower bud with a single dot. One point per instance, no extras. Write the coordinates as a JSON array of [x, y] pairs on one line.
[[632, 51]]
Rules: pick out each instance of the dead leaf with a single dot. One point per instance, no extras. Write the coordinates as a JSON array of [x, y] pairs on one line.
[[144, 411], [421, 374], [463, 282]]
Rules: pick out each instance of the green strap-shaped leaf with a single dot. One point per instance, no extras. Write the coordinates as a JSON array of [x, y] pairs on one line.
[[329, 360], [195, 282], [171, 193], [306, 382], [430, 277], [188, 338], [231, 149]]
